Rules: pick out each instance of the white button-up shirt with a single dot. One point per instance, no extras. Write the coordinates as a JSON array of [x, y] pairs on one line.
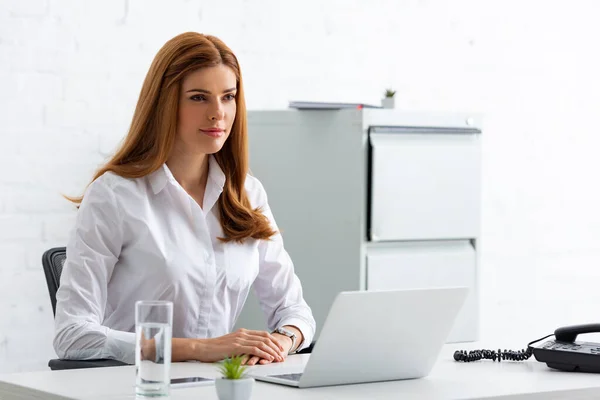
[[148, 239]]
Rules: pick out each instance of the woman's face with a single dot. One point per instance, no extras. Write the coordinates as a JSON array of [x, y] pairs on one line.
[[206, 109]]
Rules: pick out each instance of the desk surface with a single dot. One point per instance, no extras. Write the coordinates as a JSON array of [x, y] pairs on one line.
[[448, 380]]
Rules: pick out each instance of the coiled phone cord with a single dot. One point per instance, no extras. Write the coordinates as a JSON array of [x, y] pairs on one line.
[[509, 355]]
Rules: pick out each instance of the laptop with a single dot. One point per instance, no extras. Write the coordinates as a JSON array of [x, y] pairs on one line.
[[374, 336]]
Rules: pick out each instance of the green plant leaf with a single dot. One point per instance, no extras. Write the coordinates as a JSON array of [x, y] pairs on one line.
[[232, 368]]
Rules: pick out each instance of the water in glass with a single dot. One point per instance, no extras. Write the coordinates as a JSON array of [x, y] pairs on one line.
[[153, 375]]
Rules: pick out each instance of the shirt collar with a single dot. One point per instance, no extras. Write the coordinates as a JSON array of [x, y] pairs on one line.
[[160, 177], [215, 173]]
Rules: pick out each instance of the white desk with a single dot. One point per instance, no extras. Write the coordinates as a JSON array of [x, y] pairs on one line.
[[448, 380]]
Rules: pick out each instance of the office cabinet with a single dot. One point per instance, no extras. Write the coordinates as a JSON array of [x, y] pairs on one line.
[[408, 265], [424, 186], [371, 199]]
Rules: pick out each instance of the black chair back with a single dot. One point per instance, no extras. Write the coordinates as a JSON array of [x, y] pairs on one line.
[[53, 261]]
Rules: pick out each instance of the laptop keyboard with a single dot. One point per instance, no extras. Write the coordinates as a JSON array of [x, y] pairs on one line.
[[291, 377]]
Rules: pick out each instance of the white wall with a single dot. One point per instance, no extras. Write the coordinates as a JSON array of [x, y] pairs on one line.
[[70, 73]]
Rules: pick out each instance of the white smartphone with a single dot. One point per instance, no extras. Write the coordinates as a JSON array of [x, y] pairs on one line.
[[191, 381]]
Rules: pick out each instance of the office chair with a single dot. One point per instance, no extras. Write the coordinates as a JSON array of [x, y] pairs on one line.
[[53, 261]]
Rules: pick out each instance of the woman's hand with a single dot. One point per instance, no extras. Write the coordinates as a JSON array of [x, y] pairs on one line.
[[259, 344], [282, 340], [148, 348]]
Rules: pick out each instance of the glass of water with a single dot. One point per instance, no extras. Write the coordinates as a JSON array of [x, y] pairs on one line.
[[153, 325]]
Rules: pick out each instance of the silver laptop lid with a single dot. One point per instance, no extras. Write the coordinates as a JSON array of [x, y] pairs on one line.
[[373, 336]]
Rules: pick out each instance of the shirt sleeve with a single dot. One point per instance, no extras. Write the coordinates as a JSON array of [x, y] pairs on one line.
[[92, 252], [277, 287]]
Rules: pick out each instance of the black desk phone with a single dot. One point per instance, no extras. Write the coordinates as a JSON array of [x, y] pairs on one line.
[[563, 353]]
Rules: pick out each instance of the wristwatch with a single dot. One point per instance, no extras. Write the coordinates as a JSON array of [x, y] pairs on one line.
[[288, 333]]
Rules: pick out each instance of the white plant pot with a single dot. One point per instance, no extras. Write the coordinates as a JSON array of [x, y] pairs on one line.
[[234, 389], [387, 102]]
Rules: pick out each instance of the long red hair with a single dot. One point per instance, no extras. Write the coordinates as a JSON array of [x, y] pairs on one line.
[[151, 135]]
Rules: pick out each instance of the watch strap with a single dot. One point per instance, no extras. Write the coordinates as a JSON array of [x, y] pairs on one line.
[[291, 335]]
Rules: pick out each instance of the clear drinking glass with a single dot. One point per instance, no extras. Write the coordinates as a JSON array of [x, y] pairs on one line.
[[153, 327]]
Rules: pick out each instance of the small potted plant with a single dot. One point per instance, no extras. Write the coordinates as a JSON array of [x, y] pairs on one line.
[[388, 99], [233, 383]]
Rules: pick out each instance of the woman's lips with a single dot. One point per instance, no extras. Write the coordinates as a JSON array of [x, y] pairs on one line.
[[213, 132]]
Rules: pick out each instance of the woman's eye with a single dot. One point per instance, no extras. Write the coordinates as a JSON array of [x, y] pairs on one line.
[[197, 97], [230, 97]]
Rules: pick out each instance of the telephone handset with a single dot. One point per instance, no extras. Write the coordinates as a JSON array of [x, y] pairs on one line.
[[563, 353]]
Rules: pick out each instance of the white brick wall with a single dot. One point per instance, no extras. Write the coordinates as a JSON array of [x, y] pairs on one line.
[[70, 73]]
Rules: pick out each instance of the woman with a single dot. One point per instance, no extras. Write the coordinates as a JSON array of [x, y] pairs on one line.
[[174, 216]]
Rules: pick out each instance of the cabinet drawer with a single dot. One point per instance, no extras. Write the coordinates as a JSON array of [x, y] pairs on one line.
[[413, 265], [424, 185]]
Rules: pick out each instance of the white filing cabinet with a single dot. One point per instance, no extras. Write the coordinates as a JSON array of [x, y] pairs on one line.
[[371, 199]]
